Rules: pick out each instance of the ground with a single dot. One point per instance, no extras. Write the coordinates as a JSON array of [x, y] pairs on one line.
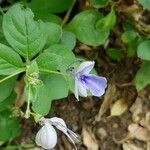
[[91, 117]]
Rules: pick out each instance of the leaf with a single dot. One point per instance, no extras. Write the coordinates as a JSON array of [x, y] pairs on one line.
[[145, 3], [129, 36], [83, 26], [65, 55], [54, 33], [68, 39], [6, 87], [119, 107], [143, 51], [6, 103], [52, 6], [54, 87], [2, 38], [26, 36], [9, 126], [10, 61], [47, 17], [99, 3], [107, 22], [142, 78], [49, 61], [114, 53]]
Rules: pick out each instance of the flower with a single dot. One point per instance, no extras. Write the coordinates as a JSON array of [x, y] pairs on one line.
[[47, 136], [85, 81]]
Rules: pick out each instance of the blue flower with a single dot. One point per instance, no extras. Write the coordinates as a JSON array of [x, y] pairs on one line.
[[88, 82]]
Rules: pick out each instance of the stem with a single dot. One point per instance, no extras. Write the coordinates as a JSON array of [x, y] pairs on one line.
[[27, 113], [54, 72], [68, 14], [10, 76]]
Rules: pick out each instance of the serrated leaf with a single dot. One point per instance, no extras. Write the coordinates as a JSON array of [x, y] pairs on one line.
[[52, 6], [83, 26], [66, 56], [144, 50], [10, 61], [9, 126], [142, 78], [54, 87], [6, 87], [68, 39], [26, 36]]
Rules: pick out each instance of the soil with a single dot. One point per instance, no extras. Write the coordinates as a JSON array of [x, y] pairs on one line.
[[107, 132]]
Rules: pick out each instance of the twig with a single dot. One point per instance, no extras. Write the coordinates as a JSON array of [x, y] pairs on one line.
[[68, 14]]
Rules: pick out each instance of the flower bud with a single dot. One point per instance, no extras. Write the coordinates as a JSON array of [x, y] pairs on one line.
[[46, 136]]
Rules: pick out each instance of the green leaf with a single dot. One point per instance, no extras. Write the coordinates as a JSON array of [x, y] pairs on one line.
[[54, 87], [49, 61], [99, 3], [83, 26], [129, 36], [51, 6], [143, 51], [6, 87], [68, 39], [142, 78], [2, 38], [64, 54], [107, 22], [25, 35], [32, 68], [9, 126], [47, 17], [10, 61], [6, 103], [54, 33], [145, 3], [114, 53]]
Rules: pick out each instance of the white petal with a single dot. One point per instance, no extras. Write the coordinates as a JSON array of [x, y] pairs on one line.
[[86, 67], [82, 88], [60, 124], [76, 89], [46, 136]]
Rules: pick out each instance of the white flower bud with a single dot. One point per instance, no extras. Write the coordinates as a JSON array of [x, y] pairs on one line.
[[46, 136]]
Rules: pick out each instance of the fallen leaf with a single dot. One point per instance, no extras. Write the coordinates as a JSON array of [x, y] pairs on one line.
[[139, 132], [129, 146], [110, 95], [119, 107], [89, 139]]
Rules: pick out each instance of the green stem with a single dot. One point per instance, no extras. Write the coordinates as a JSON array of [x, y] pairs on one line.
[[10, 76], [53, 72], [27, 113], [68, 14]]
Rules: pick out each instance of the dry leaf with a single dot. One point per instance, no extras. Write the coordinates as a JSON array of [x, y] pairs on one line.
[[119, 107], [139, 132], [136, 109], [89, 139], [108, 98], [129, 146]]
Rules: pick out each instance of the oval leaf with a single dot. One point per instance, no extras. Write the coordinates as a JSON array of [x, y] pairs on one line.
[[25, 35]]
